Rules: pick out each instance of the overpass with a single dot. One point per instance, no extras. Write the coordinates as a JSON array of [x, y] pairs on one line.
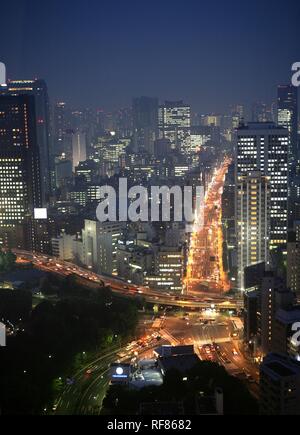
[[121, 287]]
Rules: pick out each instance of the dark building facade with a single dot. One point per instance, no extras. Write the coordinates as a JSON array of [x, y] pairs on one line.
[[20, 175], [145, 123], [38, 88]]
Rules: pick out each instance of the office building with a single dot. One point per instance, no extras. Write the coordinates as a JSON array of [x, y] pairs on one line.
[[252, 214], [61, 127], [134, 262], [293, 260], [274, 296], [169, 270], [145, 123], [62, 246], [100, 241], [287, 113], [251, 304], [20, 177], [237, 116], [174, 123], [38, 88], [264, 147], [63, 172]]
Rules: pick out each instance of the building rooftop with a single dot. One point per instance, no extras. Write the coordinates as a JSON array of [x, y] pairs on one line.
[[146, 377], [280, 366], [260, 126], [175, 350], [182, 363]]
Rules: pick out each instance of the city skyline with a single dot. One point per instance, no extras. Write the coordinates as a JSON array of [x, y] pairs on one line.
[[149, 210]]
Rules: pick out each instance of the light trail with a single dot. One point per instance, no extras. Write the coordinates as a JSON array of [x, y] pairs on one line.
[[205, 269]]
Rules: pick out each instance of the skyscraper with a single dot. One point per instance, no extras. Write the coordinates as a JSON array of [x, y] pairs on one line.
[[61, 127], [293, 259], [253, 196], [237, 113], [38, 88], [264, 147], [274, 296], [174, 122], [145, 123], [20, 178], [79, 148], [287, 112], [287, 116]]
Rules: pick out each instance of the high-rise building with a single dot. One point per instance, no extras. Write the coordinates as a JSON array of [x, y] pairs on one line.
[[20, 178], [252, 214], [293, 259], [251, 307], [174, 122], [61, 127], [237, 113], [264, 147], [274, 296], [287, 117], [38, 88], [79, 148], [145, 123], [287, 112], [279, 385], [100, 241], [63, 172], [228, 221]]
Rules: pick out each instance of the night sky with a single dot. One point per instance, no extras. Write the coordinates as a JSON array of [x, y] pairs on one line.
[[102, 53]]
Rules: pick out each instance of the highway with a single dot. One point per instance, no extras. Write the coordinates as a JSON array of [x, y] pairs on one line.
[[117, 285], [205, 269], [85, 393]]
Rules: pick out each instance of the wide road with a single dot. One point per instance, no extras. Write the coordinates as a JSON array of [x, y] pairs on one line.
[[84, 396], [213, 340], [205, 263], [63, 268], [78, 398]]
